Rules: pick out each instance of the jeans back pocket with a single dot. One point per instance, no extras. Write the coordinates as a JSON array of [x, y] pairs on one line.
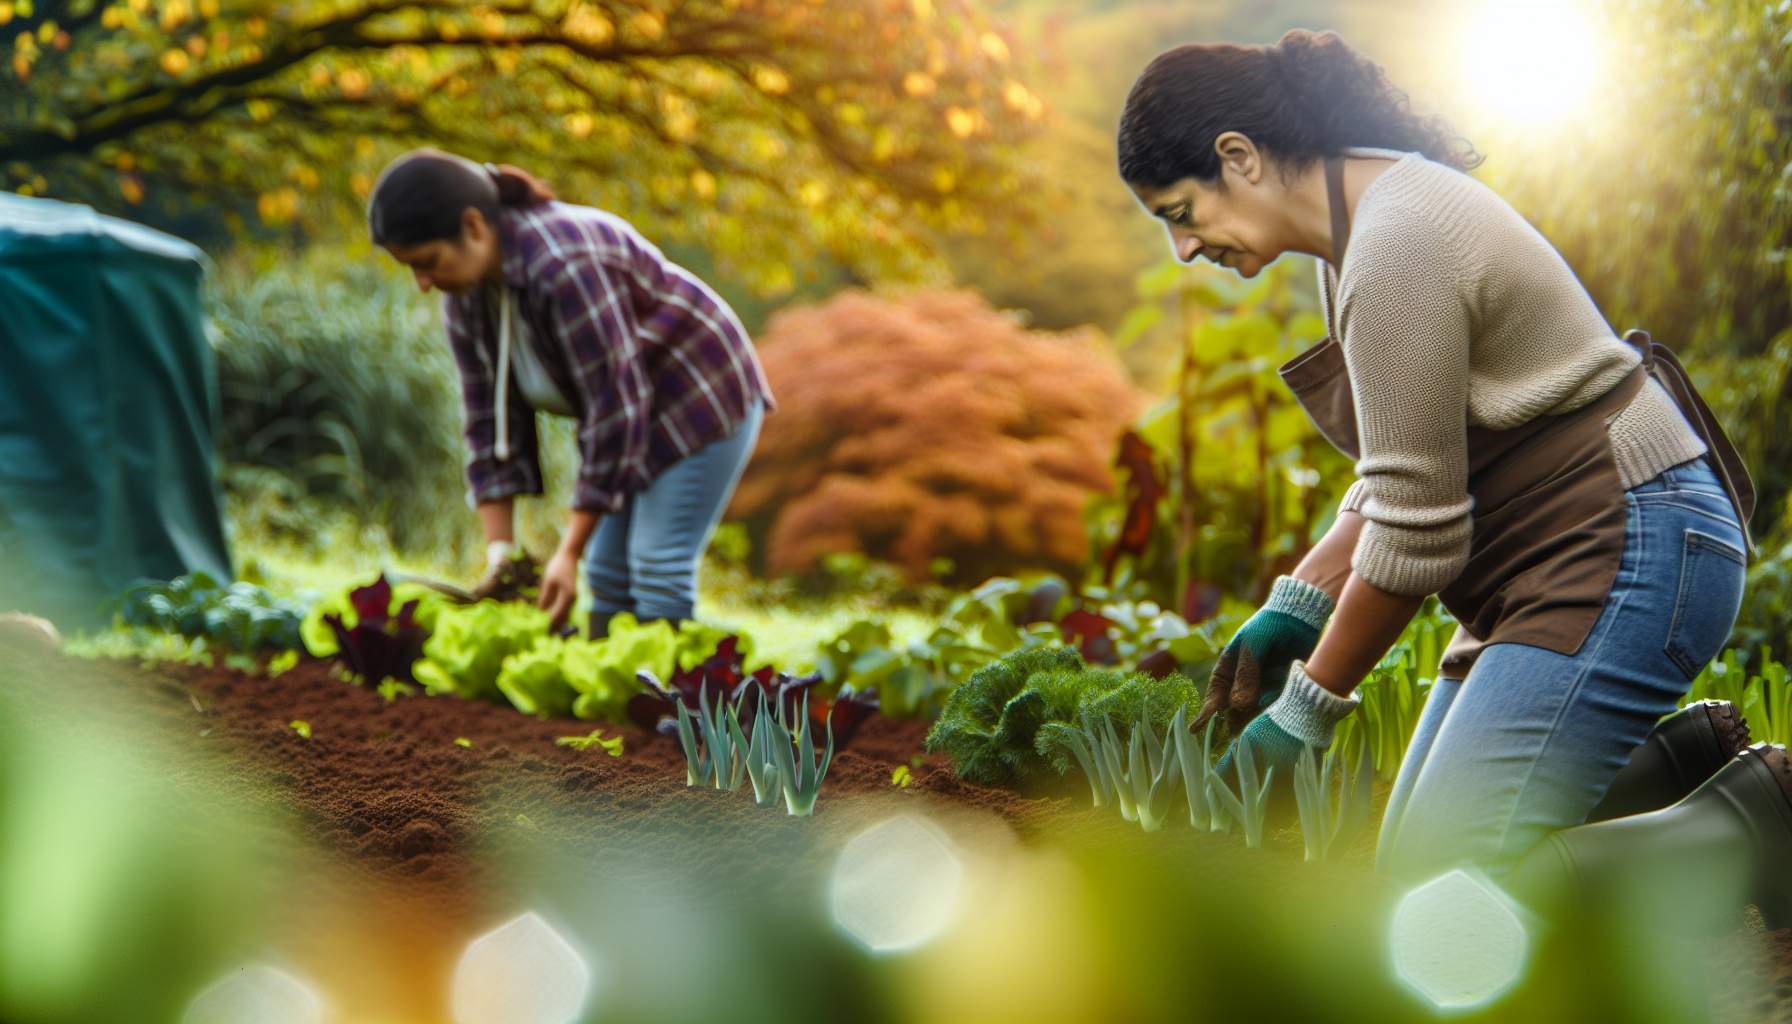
[[1712, 572]]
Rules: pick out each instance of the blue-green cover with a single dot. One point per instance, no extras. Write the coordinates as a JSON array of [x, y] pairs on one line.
[[108, 407]]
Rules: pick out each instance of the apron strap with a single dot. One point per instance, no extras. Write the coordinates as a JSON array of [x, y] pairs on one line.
[[1334, 195], [1660, 361]]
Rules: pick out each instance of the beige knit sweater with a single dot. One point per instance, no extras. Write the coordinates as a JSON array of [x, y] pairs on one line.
[[1453, 310]]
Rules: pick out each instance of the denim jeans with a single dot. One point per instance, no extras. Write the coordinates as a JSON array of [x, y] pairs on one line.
[[643, 559], [1529, 742]]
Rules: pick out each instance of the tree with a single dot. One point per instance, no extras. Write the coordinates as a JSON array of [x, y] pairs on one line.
[[772, 130]]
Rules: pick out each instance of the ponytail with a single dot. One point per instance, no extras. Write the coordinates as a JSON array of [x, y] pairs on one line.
[[421, 196]]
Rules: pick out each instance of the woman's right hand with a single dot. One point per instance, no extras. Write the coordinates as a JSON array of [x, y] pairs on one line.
[[1254, 664]]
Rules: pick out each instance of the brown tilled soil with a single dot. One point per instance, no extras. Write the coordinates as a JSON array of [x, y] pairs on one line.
[[394, 809]]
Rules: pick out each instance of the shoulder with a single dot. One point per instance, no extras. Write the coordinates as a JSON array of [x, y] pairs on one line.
[[554, 237]]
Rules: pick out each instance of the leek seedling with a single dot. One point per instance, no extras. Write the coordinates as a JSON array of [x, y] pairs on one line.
[[697, 767], [1197, 767], [1328, 824], [1107, 745], [727, 764], [798, 769], [761, 757], [1085, 746], [1148, 772], [1250, 806]]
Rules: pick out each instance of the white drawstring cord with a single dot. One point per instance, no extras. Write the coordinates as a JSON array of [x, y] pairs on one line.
[[503, 401]]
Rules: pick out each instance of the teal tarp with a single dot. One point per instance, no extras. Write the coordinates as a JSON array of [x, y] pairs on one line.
[[108, 402]]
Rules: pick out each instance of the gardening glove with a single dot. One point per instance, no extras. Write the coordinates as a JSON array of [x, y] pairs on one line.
[[1254, 663], [1305, 714], [497, 553]]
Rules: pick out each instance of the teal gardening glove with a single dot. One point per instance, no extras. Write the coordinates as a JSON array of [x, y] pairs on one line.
[[1255, 662], [1305, 714]]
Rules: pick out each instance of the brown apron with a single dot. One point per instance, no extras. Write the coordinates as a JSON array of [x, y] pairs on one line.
[[1549, 515]]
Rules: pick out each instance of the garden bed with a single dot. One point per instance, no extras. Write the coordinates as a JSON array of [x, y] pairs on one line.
[[409, 806]]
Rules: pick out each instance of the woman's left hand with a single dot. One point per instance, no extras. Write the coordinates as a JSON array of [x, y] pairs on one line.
[[559, 586]]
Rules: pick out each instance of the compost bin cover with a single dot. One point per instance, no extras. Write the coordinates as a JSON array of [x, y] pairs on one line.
[[108, 403]]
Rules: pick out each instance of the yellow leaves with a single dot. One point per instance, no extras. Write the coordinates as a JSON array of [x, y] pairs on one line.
[[850, 114], [588, 25], [919, 83], [175, 62], [260, 110], [277, 207], [944, 180], [649, 25], [703, 184], [110, 18], [962, 122], [490, 22], [306, 176], [812, 193], [353, 83], [361, 184], [1021, 100], [579, 124], [125, 162], [994, 47], [506, 61], [257, 27], [365, 147], [138, 6], [768, 147], [208, 8], [130, 188], [174, 14], [770, 80], [319, 77], [682, 126], [923, 9], [196, 46], [883, 144]]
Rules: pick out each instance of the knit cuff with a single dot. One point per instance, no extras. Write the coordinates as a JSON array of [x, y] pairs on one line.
[[1354, 497], [1307, 711], [1300, 599]]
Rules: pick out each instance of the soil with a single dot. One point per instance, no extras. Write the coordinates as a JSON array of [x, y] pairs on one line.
[[396, 810]]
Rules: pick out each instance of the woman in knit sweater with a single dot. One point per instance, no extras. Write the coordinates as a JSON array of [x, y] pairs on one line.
[[1468, 348]]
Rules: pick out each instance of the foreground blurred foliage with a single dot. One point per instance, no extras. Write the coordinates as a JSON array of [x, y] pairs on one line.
[[774, 129]]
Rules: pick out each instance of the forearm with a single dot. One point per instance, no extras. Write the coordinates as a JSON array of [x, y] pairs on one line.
[[1327, 565], [579, 529], [498, 519], [1364, 627]]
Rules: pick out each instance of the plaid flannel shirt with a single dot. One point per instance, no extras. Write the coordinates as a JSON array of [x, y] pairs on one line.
[[654, 362]]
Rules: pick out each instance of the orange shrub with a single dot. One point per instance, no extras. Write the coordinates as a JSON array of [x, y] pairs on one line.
[[926, 426]]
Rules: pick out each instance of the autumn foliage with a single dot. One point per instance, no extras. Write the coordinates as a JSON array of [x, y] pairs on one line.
[[930, 426]]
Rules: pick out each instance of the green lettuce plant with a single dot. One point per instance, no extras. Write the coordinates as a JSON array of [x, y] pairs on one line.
[[466, 652]]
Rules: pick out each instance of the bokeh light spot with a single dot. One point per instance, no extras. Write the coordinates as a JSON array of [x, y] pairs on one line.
[[896, 885], [266, 995], [523, 972], [1458, 941]]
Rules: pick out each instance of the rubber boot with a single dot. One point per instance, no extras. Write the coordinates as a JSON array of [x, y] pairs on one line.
[[1686, 748], [1689, 866]]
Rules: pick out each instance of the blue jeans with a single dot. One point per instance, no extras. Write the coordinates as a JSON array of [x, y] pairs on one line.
[[1530, 741], [643, 559]]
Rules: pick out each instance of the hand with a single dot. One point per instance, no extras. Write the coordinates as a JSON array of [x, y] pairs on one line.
[[559, 586], [1254, 663], [1305, 714]]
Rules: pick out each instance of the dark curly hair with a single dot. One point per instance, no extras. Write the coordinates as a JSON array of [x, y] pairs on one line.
[[1304, 98]]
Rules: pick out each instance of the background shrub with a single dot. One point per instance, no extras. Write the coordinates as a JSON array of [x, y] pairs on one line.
[[930, 426]]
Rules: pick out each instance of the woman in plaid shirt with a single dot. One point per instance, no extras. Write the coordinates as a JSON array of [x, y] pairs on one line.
[[568, 310]]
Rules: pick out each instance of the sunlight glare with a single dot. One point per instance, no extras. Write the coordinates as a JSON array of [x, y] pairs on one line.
[[1532, 63]]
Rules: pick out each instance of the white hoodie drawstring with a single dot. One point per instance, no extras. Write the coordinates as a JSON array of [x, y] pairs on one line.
[[503, 401]]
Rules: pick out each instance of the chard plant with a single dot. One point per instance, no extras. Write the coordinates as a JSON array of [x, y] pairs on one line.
[[1330, 816]]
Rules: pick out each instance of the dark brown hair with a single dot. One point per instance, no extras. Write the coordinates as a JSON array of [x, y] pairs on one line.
[[420, 196], [1304, 98]]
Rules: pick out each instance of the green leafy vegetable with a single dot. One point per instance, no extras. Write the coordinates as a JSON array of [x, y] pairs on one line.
[[611, 745], [465, 653]]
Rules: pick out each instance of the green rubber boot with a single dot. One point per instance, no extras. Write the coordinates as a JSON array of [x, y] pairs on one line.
[[1686, 748], [1688, 866]]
